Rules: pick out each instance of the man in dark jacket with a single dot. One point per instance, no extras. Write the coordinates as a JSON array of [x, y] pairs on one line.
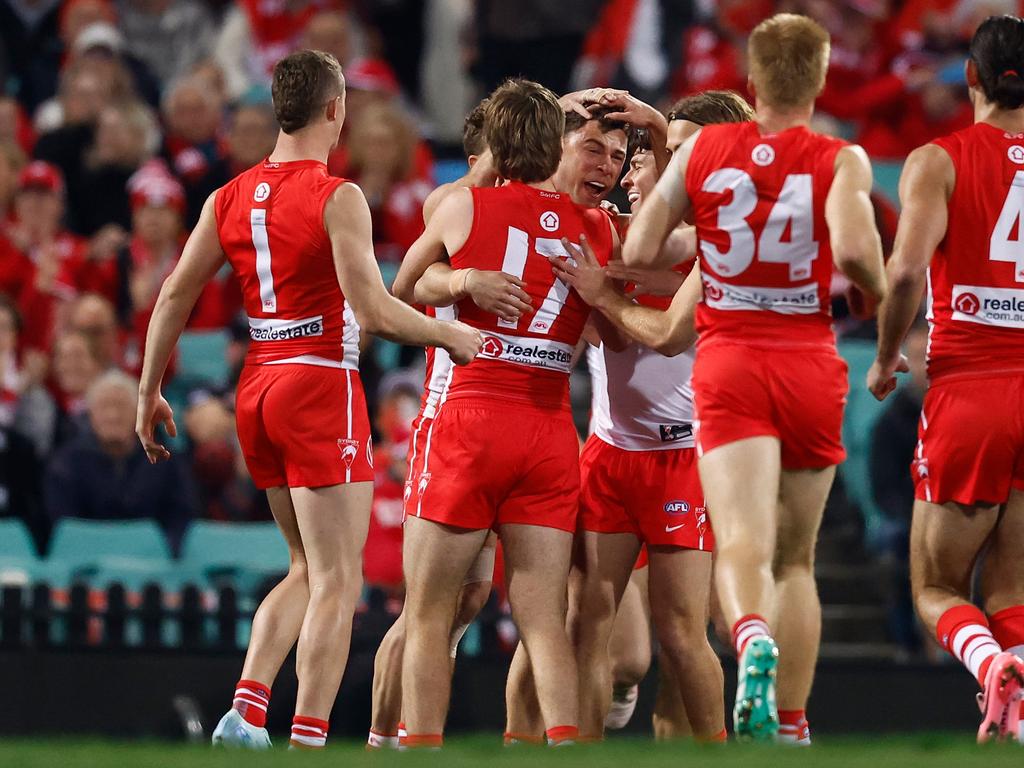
[[103, 474]]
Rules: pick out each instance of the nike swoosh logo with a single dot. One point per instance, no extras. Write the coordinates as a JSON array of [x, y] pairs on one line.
[[671, 528]]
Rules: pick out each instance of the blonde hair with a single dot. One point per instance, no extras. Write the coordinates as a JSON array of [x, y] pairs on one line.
[[523, 126], [788, 59]]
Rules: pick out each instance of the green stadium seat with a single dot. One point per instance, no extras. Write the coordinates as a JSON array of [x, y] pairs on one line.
[[99, 550], [242, 554], [887, 179], [18, 558], [202, 358], [862, 413]]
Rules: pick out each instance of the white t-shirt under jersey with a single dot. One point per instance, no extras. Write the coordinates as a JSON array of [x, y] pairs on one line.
[[642, 400]]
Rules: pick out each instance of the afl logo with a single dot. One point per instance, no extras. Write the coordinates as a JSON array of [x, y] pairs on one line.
[[763, 155], [492, 347], [1016, 154], [262, 192], [677, 507], [967, 303], [549, 221]]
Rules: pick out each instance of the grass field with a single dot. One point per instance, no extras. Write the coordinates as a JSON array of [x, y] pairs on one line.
[[934, 751]]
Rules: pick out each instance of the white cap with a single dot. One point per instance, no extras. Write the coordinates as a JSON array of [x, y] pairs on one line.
[[99, 34]]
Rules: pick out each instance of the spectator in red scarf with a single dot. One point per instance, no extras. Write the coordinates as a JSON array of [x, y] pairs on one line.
[[193, 116]]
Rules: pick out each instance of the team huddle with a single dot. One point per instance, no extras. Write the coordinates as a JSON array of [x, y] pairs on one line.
[[718, 394]]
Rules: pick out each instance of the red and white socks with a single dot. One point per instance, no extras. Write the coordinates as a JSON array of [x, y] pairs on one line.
[[1007, 628], [964, 631], [308, 733], [793, 728], [382, 740], [562, 735], [750, 627], [251, 702]]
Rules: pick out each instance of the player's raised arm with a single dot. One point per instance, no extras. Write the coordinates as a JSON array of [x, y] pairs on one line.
[[199, 262], [660, 215], [856, 246], [347, 219], [925, 186], [669, 332]]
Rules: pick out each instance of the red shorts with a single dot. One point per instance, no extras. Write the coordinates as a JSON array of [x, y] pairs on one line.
[[655, 495], [484, 465], [797, 397], [971, 441], [303, 426]]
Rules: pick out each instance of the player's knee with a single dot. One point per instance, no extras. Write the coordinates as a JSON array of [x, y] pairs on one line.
[[341, 583], [472, 600], [793, 559], [744, 547], [682, 630], [630, 669]]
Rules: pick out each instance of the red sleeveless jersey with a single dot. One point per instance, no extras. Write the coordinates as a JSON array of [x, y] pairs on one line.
[[270, 220], [976, 277], [515, 228], [759, 207]]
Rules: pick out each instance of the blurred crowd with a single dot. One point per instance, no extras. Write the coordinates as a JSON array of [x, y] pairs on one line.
[[119, 117]]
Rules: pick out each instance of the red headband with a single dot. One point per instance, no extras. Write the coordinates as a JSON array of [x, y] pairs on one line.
[[1010, 73]]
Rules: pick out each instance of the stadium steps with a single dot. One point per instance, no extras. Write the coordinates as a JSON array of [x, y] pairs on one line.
[[853, 624], [850, 584]]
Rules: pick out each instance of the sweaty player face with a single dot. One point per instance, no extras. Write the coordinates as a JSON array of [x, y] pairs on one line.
[[591, 163], [678, 132], [640, 179]]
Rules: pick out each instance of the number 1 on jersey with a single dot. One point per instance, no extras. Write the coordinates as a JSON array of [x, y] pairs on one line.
[[517, 250], [260, 241]]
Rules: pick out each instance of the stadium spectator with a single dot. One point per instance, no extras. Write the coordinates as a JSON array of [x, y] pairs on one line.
[[75, 367], [103, 474], [381, 160], [25, 407], [31, 46], [226, 490], [893, 442], [93, 316], [256, 34], [193, 117], [252, 131], [12, 160], [169, 36], [126, 136], [15, 127], [333, 31], [60, 267], [399, 401]]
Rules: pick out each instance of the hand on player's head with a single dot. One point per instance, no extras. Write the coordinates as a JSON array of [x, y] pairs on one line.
[[577, 101], [582, 271], [154, 411], [499, 293]]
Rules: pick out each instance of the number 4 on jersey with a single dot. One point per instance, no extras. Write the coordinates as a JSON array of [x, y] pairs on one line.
[[517, 249], [1007, 242]]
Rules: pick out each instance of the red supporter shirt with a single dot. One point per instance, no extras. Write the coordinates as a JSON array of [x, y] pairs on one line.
[[271, 225], [976, 278], [515, 228], [759, 208]]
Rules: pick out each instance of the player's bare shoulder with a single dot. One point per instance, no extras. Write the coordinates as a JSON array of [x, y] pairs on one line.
[[926, 167]]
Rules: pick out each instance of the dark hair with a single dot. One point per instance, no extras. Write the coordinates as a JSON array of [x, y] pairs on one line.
[[712, 107], [523, 127], [574, 120], [304, 82], [997, 50], [473, 142]]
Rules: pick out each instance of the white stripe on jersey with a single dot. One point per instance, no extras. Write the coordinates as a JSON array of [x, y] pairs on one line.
[[642, 400], [437, 377], [350, 338]]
